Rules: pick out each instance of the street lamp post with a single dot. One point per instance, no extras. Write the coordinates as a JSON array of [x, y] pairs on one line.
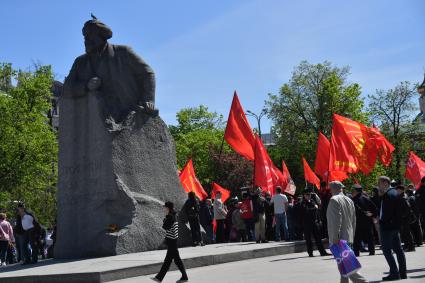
[[258, 118]]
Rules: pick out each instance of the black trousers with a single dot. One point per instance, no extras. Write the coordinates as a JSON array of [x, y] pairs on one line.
[[219, 234], [314, 231], [406, 237], [31, 237], [195, 229], [416, 229], [364, 233], [172, 254]]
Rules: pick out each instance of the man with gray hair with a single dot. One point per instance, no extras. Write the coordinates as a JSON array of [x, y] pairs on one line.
[[341, 216]]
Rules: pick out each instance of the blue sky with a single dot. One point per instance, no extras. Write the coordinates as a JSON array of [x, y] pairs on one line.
[[202, 51]]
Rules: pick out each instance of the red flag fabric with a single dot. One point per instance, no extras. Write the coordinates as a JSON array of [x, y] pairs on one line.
[[321, 164], [309, 175], [290, 187], [262, 167], [225, 194], [352, 150], [238, 132], [383, 146], [415, 169], [189, 181]]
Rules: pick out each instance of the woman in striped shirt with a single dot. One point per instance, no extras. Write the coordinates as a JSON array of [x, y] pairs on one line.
[[171, 227]]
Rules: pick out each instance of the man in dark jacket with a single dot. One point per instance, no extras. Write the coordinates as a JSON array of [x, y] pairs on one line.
[[407, 218], [191, 207], [269, 211], [416, 226], [365, 211], [310, 219], [390, 223], [420, 200], [206, 217]]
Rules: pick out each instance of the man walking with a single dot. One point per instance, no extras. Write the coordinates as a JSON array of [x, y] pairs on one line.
[[341, 216], [280, 203], [390, 223]]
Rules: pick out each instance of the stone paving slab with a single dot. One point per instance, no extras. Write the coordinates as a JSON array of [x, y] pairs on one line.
[[138, 264]]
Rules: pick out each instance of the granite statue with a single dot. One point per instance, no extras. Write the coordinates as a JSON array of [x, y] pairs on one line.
[[117, 163]]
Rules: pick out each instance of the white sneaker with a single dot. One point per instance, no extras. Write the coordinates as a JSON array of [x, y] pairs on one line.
[[3, 264]]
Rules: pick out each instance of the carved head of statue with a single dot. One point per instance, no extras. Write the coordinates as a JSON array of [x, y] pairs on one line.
[[96, 35]]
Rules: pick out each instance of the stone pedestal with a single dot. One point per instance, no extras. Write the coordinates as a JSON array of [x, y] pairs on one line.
[[112, 174]]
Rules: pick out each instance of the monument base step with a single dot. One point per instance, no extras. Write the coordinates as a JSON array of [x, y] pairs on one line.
[[138, 264]]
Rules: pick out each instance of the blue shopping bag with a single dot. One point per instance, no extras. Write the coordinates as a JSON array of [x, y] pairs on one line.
[[345, 258]]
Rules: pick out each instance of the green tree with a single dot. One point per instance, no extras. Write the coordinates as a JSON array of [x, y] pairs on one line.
[[305, 105], [199, 135], [28, 145], [393, 109], [197, 131]]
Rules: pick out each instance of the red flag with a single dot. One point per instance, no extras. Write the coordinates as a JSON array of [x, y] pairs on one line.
[[225, 194], [190, 183], [351, 147], [309, 175], [415, 169], [238, 132], [262, 168], [383, 146], [321, 164], [338, 176], [290, 187]]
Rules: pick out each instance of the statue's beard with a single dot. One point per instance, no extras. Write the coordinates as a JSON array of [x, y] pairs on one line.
[[94, 48]]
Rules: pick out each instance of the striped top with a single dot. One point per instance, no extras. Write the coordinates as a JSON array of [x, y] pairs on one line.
[[171, 227]]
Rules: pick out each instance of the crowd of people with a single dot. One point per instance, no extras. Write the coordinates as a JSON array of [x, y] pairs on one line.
[[393, 214], [23, 239]]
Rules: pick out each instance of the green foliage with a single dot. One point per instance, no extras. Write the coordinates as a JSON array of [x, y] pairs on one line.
[[28, 146], [393, 109], [197, 131], [305, 105], [199, 135]]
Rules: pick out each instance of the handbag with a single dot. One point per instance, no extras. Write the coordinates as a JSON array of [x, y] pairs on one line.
[[345, 258]]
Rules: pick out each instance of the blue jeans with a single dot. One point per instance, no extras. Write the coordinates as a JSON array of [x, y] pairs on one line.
[[3, 250], [391, 242], [281, 223], [250, 229]]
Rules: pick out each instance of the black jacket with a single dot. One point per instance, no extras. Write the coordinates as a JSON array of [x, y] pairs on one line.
[[363, 204], [309, 214], [391, 207], [192, 208]]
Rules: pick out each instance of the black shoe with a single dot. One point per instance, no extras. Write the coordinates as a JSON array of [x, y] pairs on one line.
[[403, 276], [325, 254], [182, 280], [265, 241], [26, 262], [156, 279], [391, 278], [258, 241], [310, 255]]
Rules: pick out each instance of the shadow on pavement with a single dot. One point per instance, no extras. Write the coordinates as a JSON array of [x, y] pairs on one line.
[[18, 266]]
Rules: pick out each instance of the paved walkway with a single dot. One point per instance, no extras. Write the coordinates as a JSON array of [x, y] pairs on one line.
[[138, 264], [297, 268]]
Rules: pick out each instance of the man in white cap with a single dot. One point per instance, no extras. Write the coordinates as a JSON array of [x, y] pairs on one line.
[[341, 215]]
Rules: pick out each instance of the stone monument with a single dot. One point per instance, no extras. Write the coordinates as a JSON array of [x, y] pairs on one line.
[[421, 91], [117, 161]]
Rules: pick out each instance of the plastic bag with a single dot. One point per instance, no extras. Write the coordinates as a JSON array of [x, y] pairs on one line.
[[345, 258]]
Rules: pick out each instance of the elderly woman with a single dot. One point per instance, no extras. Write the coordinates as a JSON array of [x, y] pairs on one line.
[[6, 237]]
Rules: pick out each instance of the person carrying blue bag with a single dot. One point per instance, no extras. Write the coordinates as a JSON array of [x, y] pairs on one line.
[[341, 216]]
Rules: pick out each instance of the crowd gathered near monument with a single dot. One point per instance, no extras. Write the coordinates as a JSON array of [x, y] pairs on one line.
[[117, 155]]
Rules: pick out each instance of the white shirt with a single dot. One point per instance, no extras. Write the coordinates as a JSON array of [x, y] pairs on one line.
[[280, 202], [27, 222]]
